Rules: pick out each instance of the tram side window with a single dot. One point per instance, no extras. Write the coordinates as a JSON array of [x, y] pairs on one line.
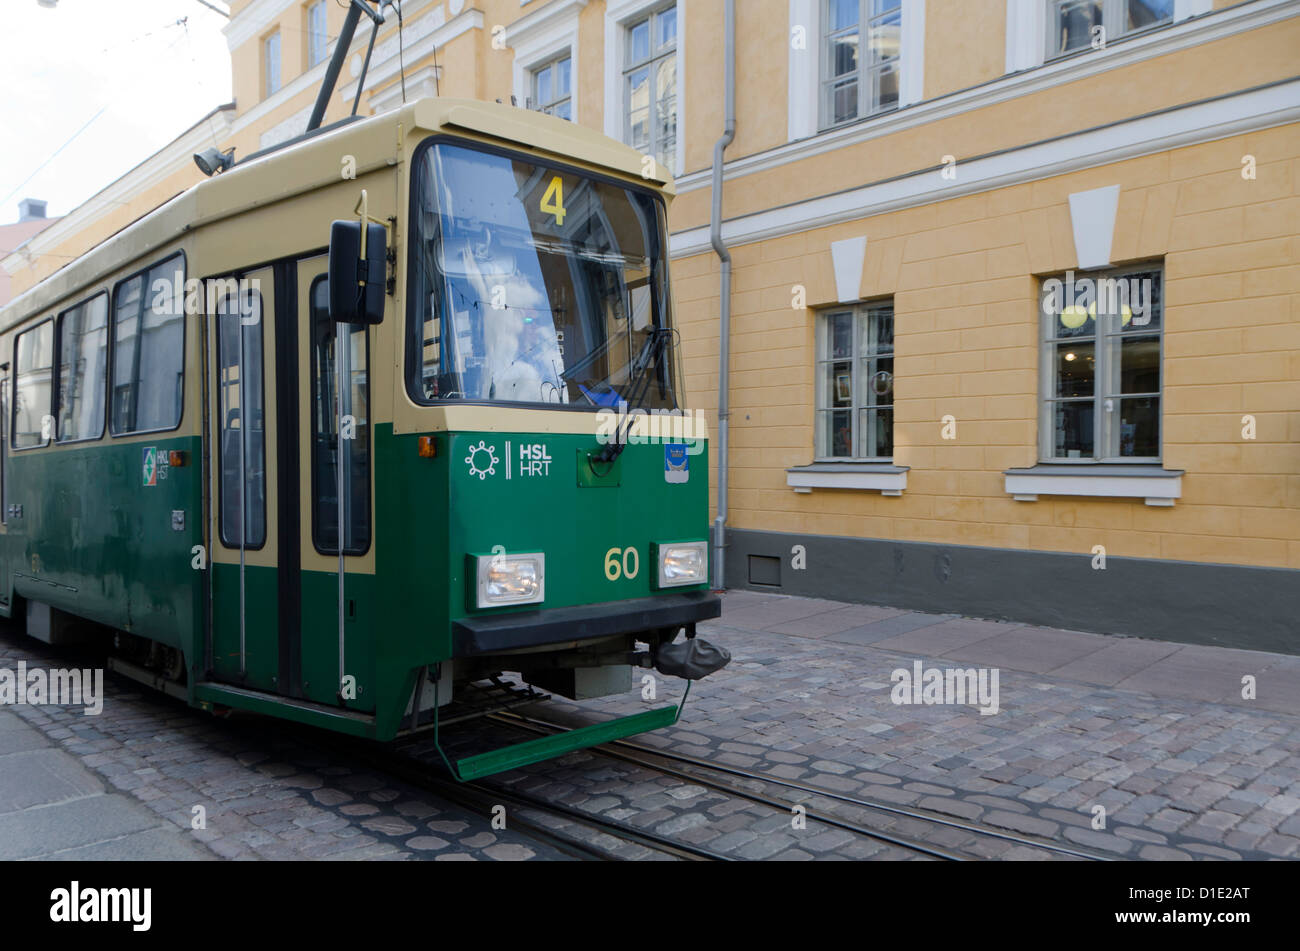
[[325, 413], [83, 359], [149, 349], [242, 451], [33, 386]]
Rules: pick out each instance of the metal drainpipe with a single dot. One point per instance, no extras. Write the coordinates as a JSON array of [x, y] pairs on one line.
[[724, 316]]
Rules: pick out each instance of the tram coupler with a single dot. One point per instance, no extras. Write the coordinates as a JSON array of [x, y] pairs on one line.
[[691, 659]]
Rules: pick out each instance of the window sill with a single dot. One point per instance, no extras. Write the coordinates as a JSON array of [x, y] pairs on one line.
[[883, 477], [1156, 485], [823, 128]]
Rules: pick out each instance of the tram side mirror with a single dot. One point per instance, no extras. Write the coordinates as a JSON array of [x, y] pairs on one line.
[[357, 284]]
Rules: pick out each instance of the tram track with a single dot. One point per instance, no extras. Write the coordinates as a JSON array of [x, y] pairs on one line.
[[650, 758], [480, 797], [427, 773]]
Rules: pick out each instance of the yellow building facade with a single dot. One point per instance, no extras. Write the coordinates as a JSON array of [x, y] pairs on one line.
[[918, 416]]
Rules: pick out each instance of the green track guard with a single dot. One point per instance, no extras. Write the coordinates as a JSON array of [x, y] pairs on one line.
[[557, 744]]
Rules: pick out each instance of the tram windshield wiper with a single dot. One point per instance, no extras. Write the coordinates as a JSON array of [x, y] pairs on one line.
[[653, 352]]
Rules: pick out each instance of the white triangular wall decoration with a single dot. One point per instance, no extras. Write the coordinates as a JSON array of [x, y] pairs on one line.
[[1093, 215], [849, 256]]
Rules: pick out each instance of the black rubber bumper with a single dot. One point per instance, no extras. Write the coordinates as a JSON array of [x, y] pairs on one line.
[[483, 635]]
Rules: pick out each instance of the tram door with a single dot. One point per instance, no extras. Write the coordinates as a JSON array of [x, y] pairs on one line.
[[335, 440], [245, 578]]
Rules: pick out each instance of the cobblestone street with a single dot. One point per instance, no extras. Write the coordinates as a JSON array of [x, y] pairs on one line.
[[1156, 733]]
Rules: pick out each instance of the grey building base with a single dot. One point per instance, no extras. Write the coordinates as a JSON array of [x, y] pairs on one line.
[[1189, 602]]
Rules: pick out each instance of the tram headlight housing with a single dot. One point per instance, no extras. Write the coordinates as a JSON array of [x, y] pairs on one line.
[[505, 580], [682, 563]]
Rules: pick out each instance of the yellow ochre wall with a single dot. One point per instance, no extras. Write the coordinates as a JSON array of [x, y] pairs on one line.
[[966, 344]]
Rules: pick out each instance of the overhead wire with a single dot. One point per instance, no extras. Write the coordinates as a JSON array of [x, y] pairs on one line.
[[55, 154]]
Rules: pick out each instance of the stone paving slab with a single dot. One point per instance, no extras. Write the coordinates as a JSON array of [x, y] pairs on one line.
[[17, 737], [1115, 662], [833, 622], [1033, 649], [1199, 672], [40, 832], [945, 635], [888, 628], [42, 777]]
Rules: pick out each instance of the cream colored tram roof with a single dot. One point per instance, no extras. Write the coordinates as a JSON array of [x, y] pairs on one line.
[[315, 163]]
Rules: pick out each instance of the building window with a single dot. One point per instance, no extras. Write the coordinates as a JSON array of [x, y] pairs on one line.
[[271, 63], [855, 383], [650, 86], [316, 37], [859, 77], [553, 88], [1072, 25], [1102, 366], [83, 369], [149, 350], [34, 386]]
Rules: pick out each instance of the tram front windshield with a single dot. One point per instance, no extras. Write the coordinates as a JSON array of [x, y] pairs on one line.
[[535, 284]]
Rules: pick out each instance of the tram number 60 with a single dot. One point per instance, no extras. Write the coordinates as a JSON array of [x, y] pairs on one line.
[[628, 565]]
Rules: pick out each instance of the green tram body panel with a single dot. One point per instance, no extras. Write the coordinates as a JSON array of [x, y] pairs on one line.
[[96, 539]]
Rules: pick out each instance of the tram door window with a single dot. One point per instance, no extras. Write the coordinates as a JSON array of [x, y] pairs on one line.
[[251, 581], [242, 421], [4, 449], [33, 386], [325, 415]]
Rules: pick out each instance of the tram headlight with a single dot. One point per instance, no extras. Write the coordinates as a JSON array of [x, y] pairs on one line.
[[504, 580], [683, 563]]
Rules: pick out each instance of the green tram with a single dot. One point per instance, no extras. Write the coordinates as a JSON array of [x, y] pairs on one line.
[[338, 473]]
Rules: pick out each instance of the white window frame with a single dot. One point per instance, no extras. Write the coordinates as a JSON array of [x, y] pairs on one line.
[[543, 36], [534, 100], [1102, 372], [857, 386], [1112, 14], [312, 8], [269, 62], [867, 72], [1028, 32], [806, 66], [619, 14], [655, 60]]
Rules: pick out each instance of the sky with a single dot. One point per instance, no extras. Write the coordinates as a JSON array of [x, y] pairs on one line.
[[152, 78]]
